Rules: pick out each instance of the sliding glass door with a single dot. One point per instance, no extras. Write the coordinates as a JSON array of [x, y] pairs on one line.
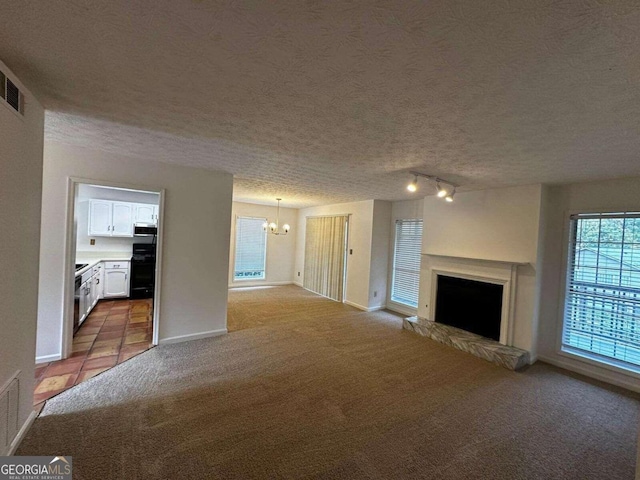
[[325, 255]]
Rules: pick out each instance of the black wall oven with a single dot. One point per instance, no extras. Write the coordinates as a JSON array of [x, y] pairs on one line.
[[143, 270]]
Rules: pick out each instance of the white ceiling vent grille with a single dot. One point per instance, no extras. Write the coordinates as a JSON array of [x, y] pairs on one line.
[[10, 93]]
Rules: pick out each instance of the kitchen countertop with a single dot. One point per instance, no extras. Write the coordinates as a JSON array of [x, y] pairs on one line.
[[93, 259]]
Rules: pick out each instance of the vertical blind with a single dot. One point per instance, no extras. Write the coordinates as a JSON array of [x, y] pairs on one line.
[[251, 249], [406, 262], [602, 302], [324, 255]]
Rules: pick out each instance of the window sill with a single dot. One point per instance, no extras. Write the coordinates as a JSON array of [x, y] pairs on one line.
[[401, 308], [600, 361]]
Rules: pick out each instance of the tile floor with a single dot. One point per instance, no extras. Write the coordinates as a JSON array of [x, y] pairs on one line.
[[115, 331]]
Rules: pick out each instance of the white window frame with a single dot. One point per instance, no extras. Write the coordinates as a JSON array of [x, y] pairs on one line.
[[392, 304], [583, 356], [235, 252]]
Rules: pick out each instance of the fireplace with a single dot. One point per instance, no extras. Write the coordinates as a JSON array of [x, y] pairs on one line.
[[478, 296], [470, 305], [501, 277]]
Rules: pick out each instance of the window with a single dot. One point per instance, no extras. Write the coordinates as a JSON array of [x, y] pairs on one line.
[[251, 249], [406, 262], [602, 303]]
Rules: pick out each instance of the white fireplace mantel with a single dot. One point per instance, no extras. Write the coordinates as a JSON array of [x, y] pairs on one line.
[[484, 260], [498, 272]]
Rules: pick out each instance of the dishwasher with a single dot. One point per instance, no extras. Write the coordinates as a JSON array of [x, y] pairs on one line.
[[76, 303]]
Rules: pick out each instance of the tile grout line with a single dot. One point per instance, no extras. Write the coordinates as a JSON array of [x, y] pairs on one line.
[[127, 312]]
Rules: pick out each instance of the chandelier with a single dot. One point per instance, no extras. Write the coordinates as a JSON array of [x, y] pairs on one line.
[[274, 227]]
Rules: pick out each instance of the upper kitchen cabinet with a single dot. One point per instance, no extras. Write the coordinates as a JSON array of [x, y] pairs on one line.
[[144, 213], [110, 219], [122, 220], [100, 217]]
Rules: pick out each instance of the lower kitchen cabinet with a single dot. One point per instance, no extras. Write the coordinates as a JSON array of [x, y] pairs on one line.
[[116, 279], [96, 284]]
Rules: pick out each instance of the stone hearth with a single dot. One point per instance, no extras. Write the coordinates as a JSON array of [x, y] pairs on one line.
[[508, 357]]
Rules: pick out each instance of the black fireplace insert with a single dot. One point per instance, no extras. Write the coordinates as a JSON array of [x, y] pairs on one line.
[[469, 305]]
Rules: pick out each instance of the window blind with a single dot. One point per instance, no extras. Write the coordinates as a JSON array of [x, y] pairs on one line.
[[251, 249], [602, 303], [406, 262]]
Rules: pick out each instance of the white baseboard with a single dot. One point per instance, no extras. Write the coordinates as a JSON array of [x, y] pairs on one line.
[[588, 371], [23, 431], [49, 358], [365, 309], [193, 336], [298, 284], [258, 284]]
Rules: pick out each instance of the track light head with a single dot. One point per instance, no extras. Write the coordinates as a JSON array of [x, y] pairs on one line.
[[442, 192], [413, 186], [449, 198]]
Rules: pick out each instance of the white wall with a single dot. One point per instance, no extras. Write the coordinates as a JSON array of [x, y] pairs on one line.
[[406, 209], [197, 222], [358, 262], [380, 239], [281, 249], [499, 224], [20, 193], [613, 195], [638, 458], [401, 210], [106, 244]]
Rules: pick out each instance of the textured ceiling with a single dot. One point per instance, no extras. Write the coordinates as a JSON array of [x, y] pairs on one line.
[[323, 102]]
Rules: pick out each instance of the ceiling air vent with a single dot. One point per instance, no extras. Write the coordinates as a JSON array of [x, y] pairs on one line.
[[3, 86], [11, 94]]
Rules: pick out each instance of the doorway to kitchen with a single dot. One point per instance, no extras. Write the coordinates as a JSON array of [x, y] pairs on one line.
[[114, 247]]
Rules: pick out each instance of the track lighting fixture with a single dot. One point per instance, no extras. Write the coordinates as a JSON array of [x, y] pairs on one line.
[[413, 186], [447, 192]]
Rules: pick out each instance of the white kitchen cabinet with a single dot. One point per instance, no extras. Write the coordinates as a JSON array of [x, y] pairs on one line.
[[122, 225], [100, 217], [116, 279], [84, 302], [96, 285], [110, 219], [85, 295], [146, 213], [116, 219]]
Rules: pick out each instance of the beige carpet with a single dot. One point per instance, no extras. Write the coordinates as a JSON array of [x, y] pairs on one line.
[[304, 387]]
